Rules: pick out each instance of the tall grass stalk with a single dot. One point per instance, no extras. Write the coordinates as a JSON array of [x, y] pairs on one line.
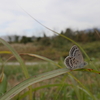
[[18, 88], [24, 69], [58, 34]]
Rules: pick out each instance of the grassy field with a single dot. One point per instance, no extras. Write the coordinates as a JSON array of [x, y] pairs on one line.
[[51, 52], [63, 87], [76, 85]]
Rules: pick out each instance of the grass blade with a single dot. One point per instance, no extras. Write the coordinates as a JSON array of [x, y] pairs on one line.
[[14, 91], [24, 69], [17, 57], [58, 34], [37, 56], [3, 84], [42, 87], [6, 52], [88, 70], [86, 89]]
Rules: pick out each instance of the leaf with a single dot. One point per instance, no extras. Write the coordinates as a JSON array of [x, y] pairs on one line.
[[3, 84], [14, 91], [24, 69], [88, 70], [6, 52]]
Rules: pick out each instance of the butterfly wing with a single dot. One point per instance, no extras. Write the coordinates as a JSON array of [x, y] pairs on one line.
[[72, 62], [75, 52]]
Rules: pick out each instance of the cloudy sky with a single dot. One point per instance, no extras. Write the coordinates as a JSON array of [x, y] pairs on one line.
[[55, 14]]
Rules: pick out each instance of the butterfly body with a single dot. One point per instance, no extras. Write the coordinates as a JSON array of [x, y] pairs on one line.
[[75, 59]]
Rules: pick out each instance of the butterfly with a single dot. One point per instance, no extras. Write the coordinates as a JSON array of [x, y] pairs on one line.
[[75, 59]]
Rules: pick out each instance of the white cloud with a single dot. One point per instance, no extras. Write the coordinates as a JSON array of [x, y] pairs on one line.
[[56, 14]]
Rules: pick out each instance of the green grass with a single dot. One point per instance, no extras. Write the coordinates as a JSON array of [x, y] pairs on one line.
[[80, 85], [59, 88], [48, 81], [52, 52]]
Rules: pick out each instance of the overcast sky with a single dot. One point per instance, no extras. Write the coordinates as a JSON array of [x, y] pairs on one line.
[[55, 14]]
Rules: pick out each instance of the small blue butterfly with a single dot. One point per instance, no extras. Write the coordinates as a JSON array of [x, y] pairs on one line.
[[75, 59]]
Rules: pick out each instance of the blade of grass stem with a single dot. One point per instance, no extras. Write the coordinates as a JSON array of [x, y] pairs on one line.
[[41, 87], [37, 56], [18, 88], [6, 52], [24, 69], [58, 34], [83, 87], [60, 88], [17, 57], [75, 88]]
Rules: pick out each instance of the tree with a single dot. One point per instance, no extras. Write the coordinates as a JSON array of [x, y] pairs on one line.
[[10, 39], [26, 39], [16, 38]]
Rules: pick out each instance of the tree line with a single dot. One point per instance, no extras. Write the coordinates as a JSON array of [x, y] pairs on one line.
[[78, 36]]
